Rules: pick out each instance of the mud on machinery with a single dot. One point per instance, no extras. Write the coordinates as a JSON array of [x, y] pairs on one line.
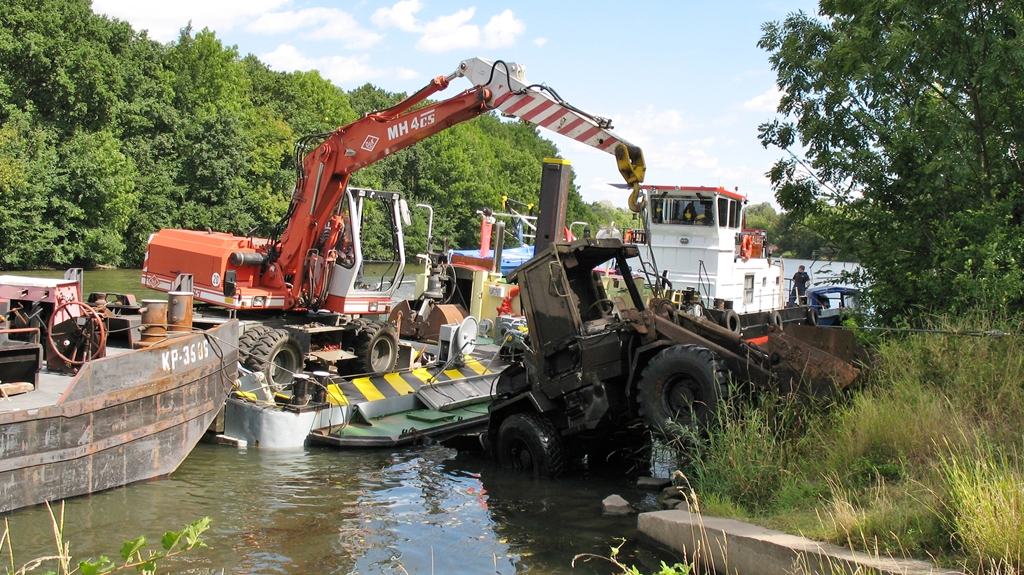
[[595, 367]]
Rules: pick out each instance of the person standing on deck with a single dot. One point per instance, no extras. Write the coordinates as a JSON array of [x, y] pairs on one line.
[[801, 281]]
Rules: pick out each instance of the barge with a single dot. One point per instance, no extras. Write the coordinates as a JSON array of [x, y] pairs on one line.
[[87, 404]]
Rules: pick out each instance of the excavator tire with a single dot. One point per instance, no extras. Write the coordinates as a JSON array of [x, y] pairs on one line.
[[249, 338], [278, 356], [529, 442], [679, 390], [376, 347]]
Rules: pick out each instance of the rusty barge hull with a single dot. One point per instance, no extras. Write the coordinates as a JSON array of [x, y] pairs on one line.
[[128, 417]]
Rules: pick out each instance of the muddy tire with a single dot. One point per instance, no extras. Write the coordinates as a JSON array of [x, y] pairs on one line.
[[277, 355], [530, 443], [679, 390], [775, 318], [376, 347], [249, 338]]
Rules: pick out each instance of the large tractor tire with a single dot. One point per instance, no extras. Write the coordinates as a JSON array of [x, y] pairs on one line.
[[528, 442], [249, 338], [376, 347], [679, 390], [278, 356]]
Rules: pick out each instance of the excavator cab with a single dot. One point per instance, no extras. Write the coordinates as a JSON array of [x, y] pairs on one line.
[[366, 254]]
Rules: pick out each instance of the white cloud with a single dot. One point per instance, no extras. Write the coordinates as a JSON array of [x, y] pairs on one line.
[[164, 20], [340, 70], [317, 24], [502, 30], [402, 16], [766, 102], [540, 41], [651, 121], [452, 31]]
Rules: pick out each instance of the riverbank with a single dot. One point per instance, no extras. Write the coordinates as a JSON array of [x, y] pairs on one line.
[[923, 460]]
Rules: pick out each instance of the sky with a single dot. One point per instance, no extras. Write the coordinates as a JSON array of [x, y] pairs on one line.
[[683, 80]]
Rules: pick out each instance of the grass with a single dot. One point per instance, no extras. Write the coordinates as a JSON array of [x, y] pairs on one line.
[[923, 460]]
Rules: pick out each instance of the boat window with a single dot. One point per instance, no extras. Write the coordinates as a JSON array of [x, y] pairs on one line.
[[723, 212], [683, 211], [734, 214], [748, 288], [657, 210]]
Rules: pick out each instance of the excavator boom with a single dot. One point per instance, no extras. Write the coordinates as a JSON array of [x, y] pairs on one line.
[[281, 267]]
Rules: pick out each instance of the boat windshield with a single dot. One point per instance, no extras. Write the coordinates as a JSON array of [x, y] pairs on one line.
[[684, 211]]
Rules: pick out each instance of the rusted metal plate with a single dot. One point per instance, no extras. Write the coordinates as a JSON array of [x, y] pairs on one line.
[[125, 418], [838, 342], [803, 368]]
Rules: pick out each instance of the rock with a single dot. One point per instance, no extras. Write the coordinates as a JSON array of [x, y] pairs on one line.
[[673, 492], [652, 483], [683, 506], [616, 505], [671, 503]]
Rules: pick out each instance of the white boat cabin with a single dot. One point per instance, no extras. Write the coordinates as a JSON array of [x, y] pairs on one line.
[[697, 240]]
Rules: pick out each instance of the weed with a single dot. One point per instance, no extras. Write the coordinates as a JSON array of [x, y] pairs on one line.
[[984, 490], [134, 553]]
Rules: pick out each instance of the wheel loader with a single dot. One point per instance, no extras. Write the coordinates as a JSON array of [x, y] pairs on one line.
[[597, 365]]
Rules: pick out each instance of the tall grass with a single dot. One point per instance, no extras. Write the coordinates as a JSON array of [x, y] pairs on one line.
[[984, 495], [923, 459]]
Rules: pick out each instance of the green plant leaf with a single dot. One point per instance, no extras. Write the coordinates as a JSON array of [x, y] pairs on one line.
[[130, 548], [193, 531], [171, 539], [98, 567]]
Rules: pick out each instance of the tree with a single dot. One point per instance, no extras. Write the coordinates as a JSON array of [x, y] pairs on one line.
[[902, 121]]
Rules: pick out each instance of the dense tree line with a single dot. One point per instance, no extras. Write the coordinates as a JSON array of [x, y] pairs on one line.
[[107, 136], [900, 127]]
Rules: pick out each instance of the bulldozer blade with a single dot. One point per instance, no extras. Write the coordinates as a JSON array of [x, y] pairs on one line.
[[838, 342], [805, 367]]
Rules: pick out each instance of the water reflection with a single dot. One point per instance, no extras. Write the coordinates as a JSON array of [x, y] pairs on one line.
[[425, 510]]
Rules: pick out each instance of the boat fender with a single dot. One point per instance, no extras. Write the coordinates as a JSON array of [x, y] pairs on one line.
[[812, 317], [775, 318], [730, 320]]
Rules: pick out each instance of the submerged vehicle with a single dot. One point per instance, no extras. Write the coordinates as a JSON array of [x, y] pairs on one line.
[[597, 366], [93, 396]]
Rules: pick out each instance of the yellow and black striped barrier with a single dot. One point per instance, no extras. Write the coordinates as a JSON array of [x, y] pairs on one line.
[[378, 387]]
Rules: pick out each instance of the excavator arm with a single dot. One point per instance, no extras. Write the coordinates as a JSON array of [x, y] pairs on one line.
[[496, 86]]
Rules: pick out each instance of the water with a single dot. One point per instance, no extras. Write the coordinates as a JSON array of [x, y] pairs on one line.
[[422, 510], [425, 510]]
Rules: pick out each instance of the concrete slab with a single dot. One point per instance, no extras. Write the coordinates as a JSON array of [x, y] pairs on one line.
[[727, 546]]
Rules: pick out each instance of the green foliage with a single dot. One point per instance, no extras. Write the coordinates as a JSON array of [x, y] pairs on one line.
[[134, 552], [901, 128], [676, 569], [107, 136], [923, 460]]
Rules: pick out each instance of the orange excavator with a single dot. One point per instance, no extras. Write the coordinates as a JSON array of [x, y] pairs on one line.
[[307, 293]]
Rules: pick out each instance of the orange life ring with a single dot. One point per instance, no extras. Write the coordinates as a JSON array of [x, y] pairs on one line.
[[747, 247]]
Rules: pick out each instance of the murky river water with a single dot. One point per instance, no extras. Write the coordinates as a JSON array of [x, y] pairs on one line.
[[421, 510]]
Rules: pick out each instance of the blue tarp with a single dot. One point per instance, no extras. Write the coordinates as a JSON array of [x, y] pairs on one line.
[[511, 258]]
